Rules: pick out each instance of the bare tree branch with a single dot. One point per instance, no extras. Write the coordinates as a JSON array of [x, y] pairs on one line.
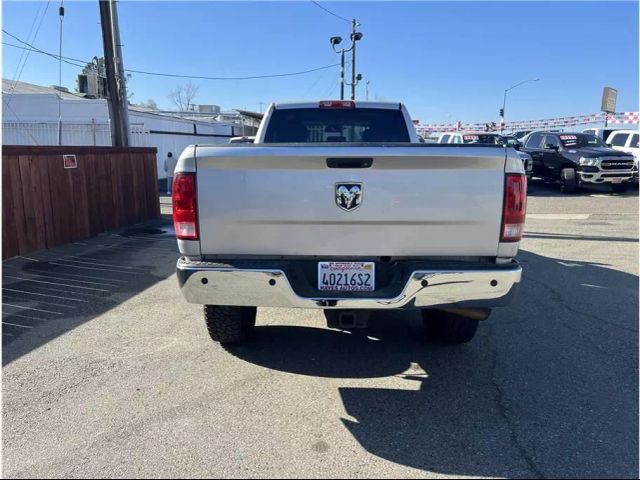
[[151, 103], [182, 96]]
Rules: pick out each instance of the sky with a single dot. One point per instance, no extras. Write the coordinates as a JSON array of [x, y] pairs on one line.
[[447, 61]]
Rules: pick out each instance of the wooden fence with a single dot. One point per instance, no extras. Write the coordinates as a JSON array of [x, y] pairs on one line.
[[45, 204]]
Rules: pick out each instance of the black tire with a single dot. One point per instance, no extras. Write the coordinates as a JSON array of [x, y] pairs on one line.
[[229, 325], [619, 187], [446, 327], [569, 180]]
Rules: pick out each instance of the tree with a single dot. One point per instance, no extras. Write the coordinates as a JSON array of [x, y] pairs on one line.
[[97, 67], [151, 103], [182, 96]]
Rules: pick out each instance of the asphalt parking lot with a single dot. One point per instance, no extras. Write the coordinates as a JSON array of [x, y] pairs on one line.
[[109, 372]]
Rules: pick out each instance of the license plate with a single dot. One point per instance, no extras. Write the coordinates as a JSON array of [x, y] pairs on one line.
[[616, 180], [346, 276]]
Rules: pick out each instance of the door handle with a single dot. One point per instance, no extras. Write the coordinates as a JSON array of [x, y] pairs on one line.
[[349, 162]]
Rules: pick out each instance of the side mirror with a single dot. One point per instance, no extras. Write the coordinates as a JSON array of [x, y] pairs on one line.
[[517, 146]]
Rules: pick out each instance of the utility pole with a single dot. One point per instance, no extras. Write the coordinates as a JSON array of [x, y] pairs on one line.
[[504, 105], [116, 86], [122, 76], [355, 37], [353, 58], [367, 85], [342, 74]]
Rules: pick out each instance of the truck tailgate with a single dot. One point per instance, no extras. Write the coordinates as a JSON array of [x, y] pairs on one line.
[[416, 200]]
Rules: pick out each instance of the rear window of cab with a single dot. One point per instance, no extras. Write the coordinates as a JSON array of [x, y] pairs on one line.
[[337, 125]]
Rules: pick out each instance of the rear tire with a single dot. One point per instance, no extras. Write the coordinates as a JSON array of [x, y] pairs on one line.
[[569, 180], [619, 187], [446, 327], [228, 325]]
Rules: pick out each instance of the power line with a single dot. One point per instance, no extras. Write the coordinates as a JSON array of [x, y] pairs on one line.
[[172, 75], [332, 86], [21, 121], [320, 77], [330, 12], [33, 24], [69, 60], [16, 79], [252, 77]]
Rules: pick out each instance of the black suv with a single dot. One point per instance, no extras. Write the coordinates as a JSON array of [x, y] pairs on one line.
[[578, 158]]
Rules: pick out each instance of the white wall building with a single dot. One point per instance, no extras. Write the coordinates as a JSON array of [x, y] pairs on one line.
[[31, 115]]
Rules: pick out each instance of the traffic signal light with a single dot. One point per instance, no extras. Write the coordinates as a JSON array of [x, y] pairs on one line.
[[502, 112]]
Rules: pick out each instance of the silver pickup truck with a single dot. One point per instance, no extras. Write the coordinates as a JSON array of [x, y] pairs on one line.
[[338, 206]]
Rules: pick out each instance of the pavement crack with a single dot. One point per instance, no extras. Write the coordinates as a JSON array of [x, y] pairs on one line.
[[503, 410], [588, 339], [563, 303]]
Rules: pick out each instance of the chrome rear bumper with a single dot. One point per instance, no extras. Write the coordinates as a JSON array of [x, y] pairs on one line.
[[214, 284]]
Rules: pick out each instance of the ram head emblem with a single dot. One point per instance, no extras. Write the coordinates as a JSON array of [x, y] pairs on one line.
[[348, 195]]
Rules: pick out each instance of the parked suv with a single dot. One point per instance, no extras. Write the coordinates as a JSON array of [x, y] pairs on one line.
[[626, 141], [578, 158]]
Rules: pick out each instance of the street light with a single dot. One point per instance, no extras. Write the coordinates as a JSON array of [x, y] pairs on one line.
[[355, 36], [334, 42], [504, 101]]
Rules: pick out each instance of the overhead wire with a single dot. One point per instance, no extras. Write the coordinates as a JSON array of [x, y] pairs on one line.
[[22, 55], [171, 75], [35, 141], [330, 12], [26, 58]]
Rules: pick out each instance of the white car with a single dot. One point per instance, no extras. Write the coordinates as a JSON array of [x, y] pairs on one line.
[[484, 138], [471, 137], [338, 206], [626, 141], [241, 139]]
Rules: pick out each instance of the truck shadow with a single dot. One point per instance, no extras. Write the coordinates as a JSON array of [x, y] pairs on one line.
[[549, 386]]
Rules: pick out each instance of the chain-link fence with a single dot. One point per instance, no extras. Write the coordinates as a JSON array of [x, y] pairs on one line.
[[82, 134]]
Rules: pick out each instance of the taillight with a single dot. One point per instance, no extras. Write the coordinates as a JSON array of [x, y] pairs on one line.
[[185, 213], [514, 209], [337, 104]]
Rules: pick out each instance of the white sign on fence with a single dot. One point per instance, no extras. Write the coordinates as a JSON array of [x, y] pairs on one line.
[[70, 161]]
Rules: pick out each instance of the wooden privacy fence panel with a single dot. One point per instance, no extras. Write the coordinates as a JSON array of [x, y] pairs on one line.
[[45, 204]]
